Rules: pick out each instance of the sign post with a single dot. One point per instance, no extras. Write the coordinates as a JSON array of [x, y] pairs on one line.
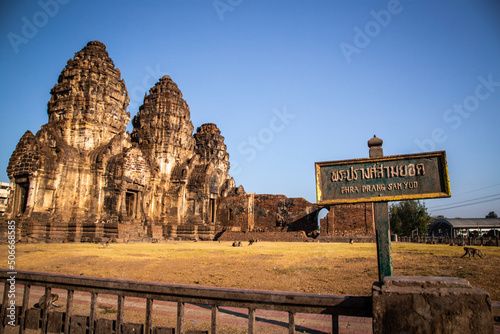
[[383, 236], [380, 179], [382, 226]]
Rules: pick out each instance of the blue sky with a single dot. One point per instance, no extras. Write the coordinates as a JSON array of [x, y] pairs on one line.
[[289, 82]]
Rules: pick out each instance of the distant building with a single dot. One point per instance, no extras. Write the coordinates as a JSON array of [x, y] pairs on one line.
[[464, 227], [4, 196]]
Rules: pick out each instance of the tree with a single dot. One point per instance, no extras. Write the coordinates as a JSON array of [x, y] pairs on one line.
[[406, 216], [491, 214]]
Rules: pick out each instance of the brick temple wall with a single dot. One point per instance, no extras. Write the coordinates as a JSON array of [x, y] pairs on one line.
[[236, 213], [349, 220], [279, 213], [266, 213]]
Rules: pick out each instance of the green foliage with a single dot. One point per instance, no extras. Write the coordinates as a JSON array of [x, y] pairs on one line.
[[492, 214], [406, 216], [107, 309]]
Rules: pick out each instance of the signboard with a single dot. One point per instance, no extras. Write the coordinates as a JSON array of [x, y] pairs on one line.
[[389, 178]]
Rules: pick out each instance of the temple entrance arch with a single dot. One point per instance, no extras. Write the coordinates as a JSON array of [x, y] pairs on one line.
[[323, 214], [212, 210], [131, 203]]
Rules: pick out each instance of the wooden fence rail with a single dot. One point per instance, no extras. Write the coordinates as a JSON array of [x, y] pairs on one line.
[[213, 298], [469, 241]]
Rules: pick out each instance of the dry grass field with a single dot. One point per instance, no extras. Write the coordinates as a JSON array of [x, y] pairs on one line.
[[326, 268]]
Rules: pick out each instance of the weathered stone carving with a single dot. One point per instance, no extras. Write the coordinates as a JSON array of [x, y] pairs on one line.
[[163, 127], [88, 104], [83, 178]]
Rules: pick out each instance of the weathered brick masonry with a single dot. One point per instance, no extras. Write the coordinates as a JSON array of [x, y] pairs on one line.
[[266, 213], [349, 221]]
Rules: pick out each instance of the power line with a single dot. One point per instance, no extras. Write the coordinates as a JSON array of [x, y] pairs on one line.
[[461, 206], [466, 201], [471, 191]]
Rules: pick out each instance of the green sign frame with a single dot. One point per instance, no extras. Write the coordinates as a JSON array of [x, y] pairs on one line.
[[383, 179]]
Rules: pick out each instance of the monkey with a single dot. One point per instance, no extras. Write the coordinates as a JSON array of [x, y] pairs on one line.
[[47, 302], [473, 251], [104, 244], [250, 242]]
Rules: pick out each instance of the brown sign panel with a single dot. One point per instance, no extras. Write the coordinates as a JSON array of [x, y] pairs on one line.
[[390, 178]]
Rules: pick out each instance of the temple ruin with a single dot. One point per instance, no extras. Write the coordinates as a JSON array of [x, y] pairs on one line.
[[83, 178]]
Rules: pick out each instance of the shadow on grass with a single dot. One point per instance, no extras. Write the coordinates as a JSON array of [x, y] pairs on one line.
[[283, 324]]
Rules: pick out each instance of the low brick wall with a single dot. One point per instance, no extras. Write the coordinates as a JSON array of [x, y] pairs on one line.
[[353, 239], [288, 237], [265, 236], [481, 241]]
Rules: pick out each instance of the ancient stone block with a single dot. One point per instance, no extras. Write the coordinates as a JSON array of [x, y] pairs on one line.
[[78, 324], [104, 326], [430, 305], [55, 322], [32, 320], [163, 330], [130, 328]]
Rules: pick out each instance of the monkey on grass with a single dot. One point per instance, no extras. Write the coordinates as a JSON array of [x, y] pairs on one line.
[[104, 244], [472, 251]]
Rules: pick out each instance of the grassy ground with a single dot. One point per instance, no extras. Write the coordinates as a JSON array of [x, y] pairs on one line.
[[299, 267]]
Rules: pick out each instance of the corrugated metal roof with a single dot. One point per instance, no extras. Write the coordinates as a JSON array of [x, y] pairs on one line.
[[471, 222]]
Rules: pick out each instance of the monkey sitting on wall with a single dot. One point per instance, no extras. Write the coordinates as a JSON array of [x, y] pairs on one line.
[[472, 251], [48, 301]]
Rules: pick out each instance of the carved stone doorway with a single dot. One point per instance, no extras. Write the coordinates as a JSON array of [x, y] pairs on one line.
[[131, 203], [22, 191], [212, 210]]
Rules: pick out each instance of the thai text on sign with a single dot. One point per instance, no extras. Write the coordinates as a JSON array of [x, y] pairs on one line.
[[389, 178]]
